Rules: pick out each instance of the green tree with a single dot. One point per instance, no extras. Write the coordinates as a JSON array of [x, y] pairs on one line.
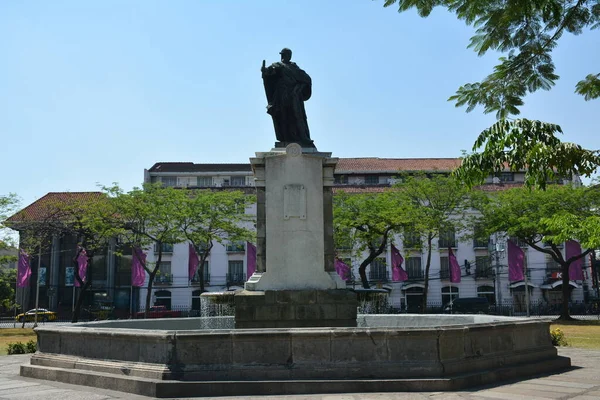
[[67, 216], [434, 205], [8, 205], [526, 31], [366, 221], [142, 218], [8, 280], [206, 216], [551, 216]]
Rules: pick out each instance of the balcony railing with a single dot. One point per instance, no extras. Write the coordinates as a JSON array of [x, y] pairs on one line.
[[163, 279], [235, 278], [196, 278], [415, 275], [445, 243], [379, 275], [235, 248], [484, 273], [444, 274], [166, 248], [480, 244]]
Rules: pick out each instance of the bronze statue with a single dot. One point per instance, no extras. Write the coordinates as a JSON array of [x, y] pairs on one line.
[[287, 88]]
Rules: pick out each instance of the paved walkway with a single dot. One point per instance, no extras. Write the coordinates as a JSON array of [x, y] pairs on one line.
[[582, 382]]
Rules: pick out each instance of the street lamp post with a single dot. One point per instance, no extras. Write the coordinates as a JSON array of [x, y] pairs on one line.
[[496, 247]]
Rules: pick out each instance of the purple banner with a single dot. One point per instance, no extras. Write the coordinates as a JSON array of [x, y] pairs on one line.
[[454, 267], [342, 269], [138, 274], [398, 273], [516, 262], [82, 264], [573, 248], [250, 259], [23, 270]]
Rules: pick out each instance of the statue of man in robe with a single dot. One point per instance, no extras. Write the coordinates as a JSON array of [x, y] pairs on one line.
[[287, 88]]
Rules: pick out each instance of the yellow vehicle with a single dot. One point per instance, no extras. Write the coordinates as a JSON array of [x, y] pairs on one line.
[[43, 315]]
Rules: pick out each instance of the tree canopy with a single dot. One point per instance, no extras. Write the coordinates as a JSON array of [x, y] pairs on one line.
[[544, 219], [434, 205], [526, 31], [365, 222]]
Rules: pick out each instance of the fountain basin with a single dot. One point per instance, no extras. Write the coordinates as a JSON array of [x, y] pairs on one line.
[[182, 357]]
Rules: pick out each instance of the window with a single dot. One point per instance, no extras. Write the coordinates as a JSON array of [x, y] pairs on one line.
[[169, 180], [552, 266], [205, 181], [412, 240], [185, 181], [164, 273], [506, 176], [163, 298], [340, 179], [518, 241], [449, 293], [235, 274], [166, 248], [235, 247], [480, 240], [483, 267], [371, 179], [447, 238], [378, 270], [413, 268], [206, 272], [238, 181], [444, 267], [487, 292]]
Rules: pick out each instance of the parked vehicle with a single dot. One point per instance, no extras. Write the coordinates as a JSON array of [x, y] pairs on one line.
[[468, 305], [159, 312], [43, 315]]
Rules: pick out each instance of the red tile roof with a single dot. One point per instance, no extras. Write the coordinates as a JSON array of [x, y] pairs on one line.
[[38, 210], [391, 165]]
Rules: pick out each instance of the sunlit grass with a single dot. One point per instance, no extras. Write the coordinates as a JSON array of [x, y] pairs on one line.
[[14, 335], [583, 334]]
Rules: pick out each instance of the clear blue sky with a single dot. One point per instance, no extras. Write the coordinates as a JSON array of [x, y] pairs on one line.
[[96, 91]]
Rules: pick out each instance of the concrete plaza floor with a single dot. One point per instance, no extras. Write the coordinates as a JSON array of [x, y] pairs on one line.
[[581, 382]]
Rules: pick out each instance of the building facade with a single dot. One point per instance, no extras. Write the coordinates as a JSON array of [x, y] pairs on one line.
[[484, 266], [484, 270]]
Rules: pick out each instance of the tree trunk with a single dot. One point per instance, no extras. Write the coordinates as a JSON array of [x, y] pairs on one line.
[[426, 277], [566, 294], [151, 277], [362, 271], [84, 287], [79, 302]]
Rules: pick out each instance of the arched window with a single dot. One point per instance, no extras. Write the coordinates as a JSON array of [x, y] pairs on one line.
[[163, 298], [487, 292], [449, 293]]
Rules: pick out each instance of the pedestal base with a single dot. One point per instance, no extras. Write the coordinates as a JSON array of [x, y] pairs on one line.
[[295, 309]]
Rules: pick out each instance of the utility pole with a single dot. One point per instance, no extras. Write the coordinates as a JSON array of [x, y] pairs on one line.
[[494, 248], [37, 287]]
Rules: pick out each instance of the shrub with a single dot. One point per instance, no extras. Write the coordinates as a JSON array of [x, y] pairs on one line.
[[558, 337], [31, 346], [15, 348]]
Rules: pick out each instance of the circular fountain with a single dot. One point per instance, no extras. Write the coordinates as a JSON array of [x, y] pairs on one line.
[[206, 355], [296, 328]]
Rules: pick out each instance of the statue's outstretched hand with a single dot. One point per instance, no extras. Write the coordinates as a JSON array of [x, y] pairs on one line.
[[263, 68]]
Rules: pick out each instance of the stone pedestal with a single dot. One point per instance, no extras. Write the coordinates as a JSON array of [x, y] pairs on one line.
[[295, 309], [295, 249]]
